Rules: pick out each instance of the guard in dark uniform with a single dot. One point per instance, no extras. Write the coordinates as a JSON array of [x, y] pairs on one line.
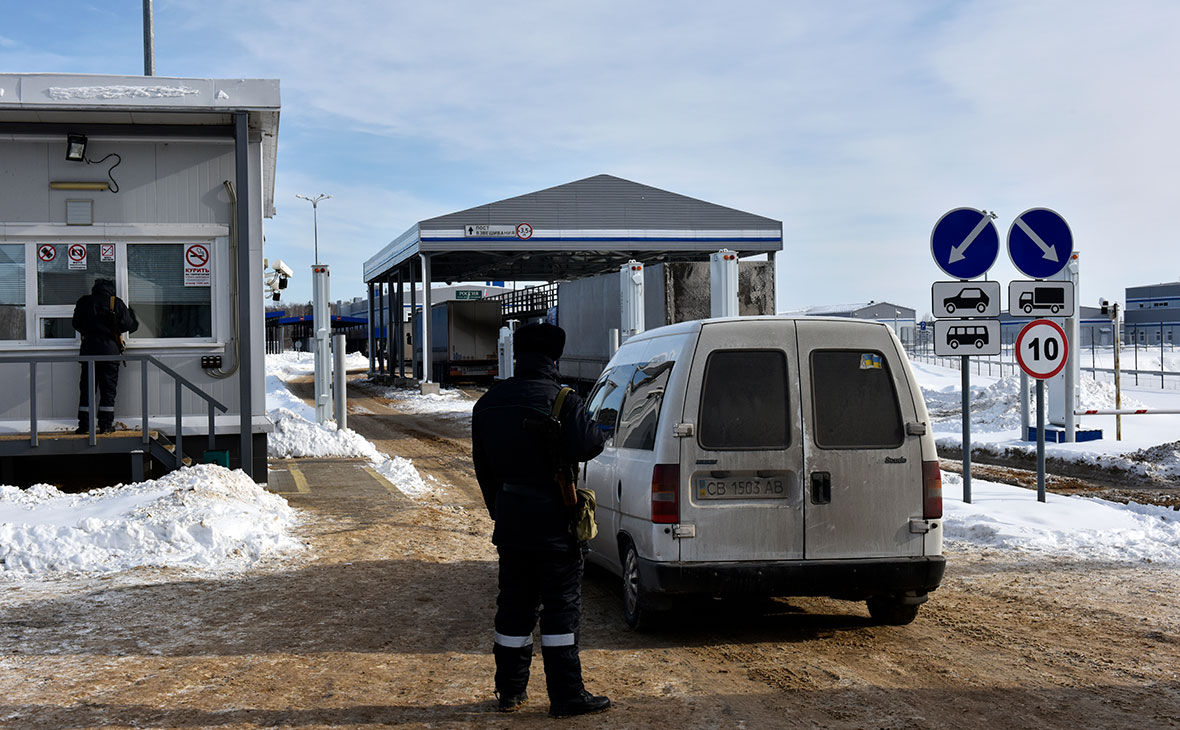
[[101, 318], [516, 464]]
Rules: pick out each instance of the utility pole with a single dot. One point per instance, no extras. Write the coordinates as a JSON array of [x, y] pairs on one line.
[[315, 204], [149, 40]]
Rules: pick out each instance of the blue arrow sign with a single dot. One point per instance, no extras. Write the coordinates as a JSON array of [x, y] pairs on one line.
[[965, 243], [1039, 243]]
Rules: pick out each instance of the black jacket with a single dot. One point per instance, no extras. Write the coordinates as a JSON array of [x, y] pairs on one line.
[[100, 317], [505, 451]]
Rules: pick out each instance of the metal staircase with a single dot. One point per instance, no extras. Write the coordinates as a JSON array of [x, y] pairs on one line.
[[144, 447]]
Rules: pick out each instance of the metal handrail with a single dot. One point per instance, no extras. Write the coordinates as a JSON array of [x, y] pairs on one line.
[[180, 380]]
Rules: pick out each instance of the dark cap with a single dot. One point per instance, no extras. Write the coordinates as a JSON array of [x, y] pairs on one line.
[[546, 339], [103, 286]]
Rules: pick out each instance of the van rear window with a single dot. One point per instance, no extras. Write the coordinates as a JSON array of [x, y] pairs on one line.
[[854, 400], [744, 400]]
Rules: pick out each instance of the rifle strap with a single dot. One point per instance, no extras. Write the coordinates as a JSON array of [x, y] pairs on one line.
[[118, 334], [559, 402]]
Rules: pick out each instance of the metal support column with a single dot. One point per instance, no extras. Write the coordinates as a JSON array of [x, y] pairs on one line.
[[245, 292], [321, 323], [965, 364], [413, 317], [372, 335], [390, 320], [401, 324], [427, 359], [381, 325], [340, 382]]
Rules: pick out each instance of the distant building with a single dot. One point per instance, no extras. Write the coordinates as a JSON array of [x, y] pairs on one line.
[[901, 319], [1151, 314]]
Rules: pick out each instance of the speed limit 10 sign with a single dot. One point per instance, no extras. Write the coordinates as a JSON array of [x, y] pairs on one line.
[[1042, 349]]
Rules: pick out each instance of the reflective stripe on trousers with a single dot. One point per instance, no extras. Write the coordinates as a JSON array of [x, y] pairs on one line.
[[515, 642], [557, 640]]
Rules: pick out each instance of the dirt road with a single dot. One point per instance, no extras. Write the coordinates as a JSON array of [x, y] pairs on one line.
[[386, 621]]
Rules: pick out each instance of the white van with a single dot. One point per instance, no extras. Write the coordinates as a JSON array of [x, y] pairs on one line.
[[766, 456]]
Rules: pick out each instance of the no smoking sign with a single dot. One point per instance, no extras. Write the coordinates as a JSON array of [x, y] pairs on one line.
[[1042, 349], [197, 270]]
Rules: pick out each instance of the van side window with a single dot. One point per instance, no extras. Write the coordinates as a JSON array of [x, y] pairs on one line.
[[612, 391], [744, 400], [854, 400], [597, 393], [641, 408]]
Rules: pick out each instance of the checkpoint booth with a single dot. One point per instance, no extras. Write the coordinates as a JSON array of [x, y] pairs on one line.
[[161, 185], [580, 229]]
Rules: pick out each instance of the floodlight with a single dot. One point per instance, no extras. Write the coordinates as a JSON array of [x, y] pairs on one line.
[[76, 147]]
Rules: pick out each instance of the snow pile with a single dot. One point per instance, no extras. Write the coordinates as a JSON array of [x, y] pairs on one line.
[[297, 435], [996, 406], [448, 403], [1011, 517], [204, 517], [290, 365], [1100, 394]]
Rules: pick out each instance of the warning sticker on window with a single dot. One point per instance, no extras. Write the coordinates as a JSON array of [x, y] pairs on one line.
[[197, 265]]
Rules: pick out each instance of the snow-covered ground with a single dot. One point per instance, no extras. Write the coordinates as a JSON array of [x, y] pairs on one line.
[[1150, 444], [1011, 517], [208, 518], [205, 518]]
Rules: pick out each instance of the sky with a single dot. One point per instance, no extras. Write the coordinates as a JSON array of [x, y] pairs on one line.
[[856, 124]]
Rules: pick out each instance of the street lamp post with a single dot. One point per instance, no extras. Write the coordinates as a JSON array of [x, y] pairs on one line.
[[315, 220]]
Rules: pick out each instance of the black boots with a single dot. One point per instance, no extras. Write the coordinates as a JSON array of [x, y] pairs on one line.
[[583, 705], [512, 703]]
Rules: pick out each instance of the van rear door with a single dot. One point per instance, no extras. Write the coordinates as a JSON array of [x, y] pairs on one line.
[[741, 469], [863, 478]]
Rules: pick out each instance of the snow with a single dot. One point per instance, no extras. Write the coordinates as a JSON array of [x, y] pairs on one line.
[[447, 404], [205, 517], [1150, 445], [297, 435], [1002, 516], [119, 91], [1007, 517]]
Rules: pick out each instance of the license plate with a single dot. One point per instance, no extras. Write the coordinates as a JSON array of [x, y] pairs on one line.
[[739, 486]]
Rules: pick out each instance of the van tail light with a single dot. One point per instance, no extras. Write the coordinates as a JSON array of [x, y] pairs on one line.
[[665, 494], [931, 490]]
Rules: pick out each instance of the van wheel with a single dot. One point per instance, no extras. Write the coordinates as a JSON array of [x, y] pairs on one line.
[[634, 613], [890, 611]]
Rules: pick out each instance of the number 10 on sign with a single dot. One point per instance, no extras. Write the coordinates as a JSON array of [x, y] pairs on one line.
[[1042, 349]]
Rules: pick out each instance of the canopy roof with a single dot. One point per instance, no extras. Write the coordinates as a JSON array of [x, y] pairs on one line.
[[594, 225]]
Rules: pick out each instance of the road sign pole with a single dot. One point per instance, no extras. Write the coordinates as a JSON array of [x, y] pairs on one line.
[[966, 367], [1040, 440]]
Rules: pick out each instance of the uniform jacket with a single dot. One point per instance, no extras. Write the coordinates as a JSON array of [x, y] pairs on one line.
[[99, 324], [504, 452]]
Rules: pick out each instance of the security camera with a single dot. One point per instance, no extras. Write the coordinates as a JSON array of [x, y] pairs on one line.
[[283, 268]]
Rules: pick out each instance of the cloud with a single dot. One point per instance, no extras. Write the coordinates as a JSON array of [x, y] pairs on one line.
[[857, 124]]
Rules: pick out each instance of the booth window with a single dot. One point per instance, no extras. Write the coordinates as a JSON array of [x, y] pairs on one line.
[[12, 291], [59, 285], [157, 292]]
